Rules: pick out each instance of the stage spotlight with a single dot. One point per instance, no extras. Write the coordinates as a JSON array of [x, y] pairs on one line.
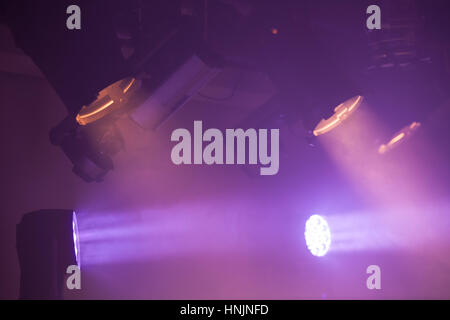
[[92, 138], [47, 243], [317, 235], [109, 100], [399, 137], [97, 80], [341, 112]]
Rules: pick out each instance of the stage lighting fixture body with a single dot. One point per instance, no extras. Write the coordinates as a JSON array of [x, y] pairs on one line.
[[173, 92], [89, 147], [47, 243]]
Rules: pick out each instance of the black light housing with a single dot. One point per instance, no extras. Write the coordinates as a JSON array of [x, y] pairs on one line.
[[47, 243]]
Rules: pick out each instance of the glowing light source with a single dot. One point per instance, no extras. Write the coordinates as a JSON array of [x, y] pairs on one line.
[[317, 235], [399, 137], [86, 117], [76, 238], [111, 98], [341, 112]]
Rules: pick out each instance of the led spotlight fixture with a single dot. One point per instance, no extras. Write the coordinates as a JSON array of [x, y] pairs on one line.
[[47, 244], [341, 113], [317, 235], [399, 137]]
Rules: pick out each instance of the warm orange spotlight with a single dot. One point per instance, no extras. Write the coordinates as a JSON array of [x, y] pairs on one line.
[[110, 99], [341, 112], [399, 137]]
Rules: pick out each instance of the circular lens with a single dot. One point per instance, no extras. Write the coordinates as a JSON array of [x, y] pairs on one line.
[[317, 235]]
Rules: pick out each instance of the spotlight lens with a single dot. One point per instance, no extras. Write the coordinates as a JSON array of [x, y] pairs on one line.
[[76, 240], [341, 112], [317, 235], [110, 99]]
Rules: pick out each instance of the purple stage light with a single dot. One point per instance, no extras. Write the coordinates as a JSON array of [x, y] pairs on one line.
[[317, 235], [76, 238]]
